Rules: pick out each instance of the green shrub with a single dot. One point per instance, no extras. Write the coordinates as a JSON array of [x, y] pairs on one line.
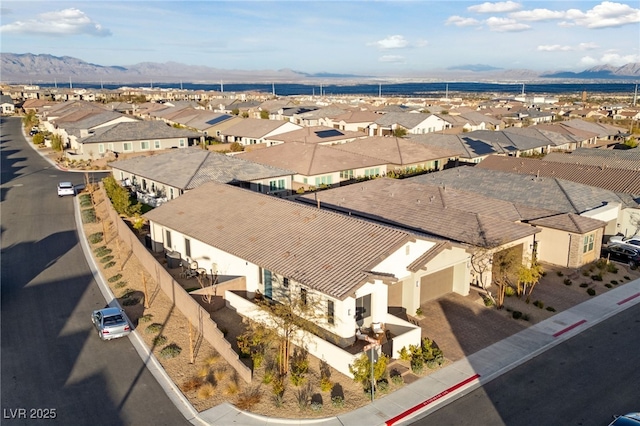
[[106, 259], [612, 268], [591, 291], [585, 273], [567, 281], [551, 309], [516, 314], [487, 301], [325, 384], [85, 200], [95, 238], [525, 317], [597, 277], [120, 284], [170, 351], [115, 278], [109, 265], [538, 304], [316, 406], [627, 277], [145, 318], [607, 285], [397, 379], [584, 285], [601, 264], [614, 282], [509, 291], [89, 216], [102, 251], [382, 386], [154, 328], [337, 401], [405, 355], [159, 340], [559, 273]]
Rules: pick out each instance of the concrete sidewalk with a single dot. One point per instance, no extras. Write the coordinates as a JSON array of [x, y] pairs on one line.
[[439, 388]]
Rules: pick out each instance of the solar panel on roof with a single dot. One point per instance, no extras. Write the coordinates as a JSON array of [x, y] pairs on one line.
[[331, 133]]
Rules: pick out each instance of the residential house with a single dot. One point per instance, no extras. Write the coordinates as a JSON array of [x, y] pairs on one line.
[[320, 117], [163, 177], [251, 131], [615, 158], [322, 135], [317, 165], [355, 121], [209, 123], [414, 123], [402, 155], [134, 137], [462, 218], [7, 106], [553, 195], [341, 265], [72, 131], [607, 134]]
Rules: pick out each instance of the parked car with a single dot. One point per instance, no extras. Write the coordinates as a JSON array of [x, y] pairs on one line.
[[629, 419], [66, 188], [632, 241], [111, 323], [623, 253]]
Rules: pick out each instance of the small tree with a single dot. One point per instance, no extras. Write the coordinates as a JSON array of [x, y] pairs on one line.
[[361, 369], [235, 111], [56, 143], [400, 132], [121, 198], [30, 120], [528, 276], [38, 139], [236, 147], [264, 114]]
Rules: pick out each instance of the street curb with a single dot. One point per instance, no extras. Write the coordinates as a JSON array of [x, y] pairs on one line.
[[148, 358]]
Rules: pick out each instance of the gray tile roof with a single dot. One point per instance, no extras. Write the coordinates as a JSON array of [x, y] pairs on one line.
[[138, 130], [397, 151], [546, 192], [310, 159], [405, 119], [616, 180], [619, 159], [601, 129], [570, 222], [189, 168], [326, 251], [460, 216], [317, 134], [254, 127]]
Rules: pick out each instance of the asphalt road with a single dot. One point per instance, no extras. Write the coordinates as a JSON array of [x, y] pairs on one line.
[[583, 381], [55, 369]]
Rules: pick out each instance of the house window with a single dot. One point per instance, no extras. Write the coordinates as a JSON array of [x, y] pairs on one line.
[[285, 282], [346, 174], [167, 238], [303, 296], [372, 172], [144, 145], [187, 247], [171, 193], [330, 312], [101, 148], [110, 147], [181, 142], [588, 243], [127, 146], [324, 180], [156, 144], [305, 181], [363, 307]]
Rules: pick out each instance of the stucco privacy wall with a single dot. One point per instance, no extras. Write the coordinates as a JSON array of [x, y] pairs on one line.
[[195, 314]]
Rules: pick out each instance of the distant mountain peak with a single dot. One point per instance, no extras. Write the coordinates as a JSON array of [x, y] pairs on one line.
[[474, 68]]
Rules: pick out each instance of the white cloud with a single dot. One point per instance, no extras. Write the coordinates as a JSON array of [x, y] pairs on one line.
[[499, 7], [537, 15], [392, 42], [59, 23], [459, 21], [610, 58], [606, 14], [554, 48], [391, 59], [565, 48], [505, 25]]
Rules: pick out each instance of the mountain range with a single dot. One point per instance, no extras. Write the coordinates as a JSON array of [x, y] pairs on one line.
[[44, 68]]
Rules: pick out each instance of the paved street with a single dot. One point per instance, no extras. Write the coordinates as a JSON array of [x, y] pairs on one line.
[[583, 381], [53, 364]]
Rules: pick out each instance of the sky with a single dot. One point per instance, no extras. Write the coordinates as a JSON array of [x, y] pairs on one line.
[[359, 37]]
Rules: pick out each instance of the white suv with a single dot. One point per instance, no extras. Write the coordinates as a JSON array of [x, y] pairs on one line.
[[66, 188]]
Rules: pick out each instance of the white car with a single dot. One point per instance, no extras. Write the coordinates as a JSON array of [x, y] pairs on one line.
[[110, 323], [631, 242], [66, 188]]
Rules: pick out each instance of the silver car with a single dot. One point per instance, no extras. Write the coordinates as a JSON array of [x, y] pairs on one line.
[[111, 323]]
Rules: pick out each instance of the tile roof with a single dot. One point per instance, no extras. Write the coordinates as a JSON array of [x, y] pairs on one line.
[[138, 130], [254, 127], [329, 252], [397, 151], [310, 159], [545, 192], [616, 180], [317, 134], [619, 159], [189, 168], [570, 222], [460, 216]]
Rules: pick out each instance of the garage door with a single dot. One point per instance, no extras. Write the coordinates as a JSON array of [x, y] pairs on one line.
[[436, 285]]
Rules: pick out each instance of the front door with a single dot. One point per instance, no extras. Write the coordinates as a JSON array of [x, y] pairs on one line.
[[268, 282]]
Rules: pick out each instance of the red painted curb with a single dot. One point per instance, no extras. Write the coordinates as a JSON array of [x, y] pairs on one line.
[[571, 327], [430, 400], [628, 298]]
